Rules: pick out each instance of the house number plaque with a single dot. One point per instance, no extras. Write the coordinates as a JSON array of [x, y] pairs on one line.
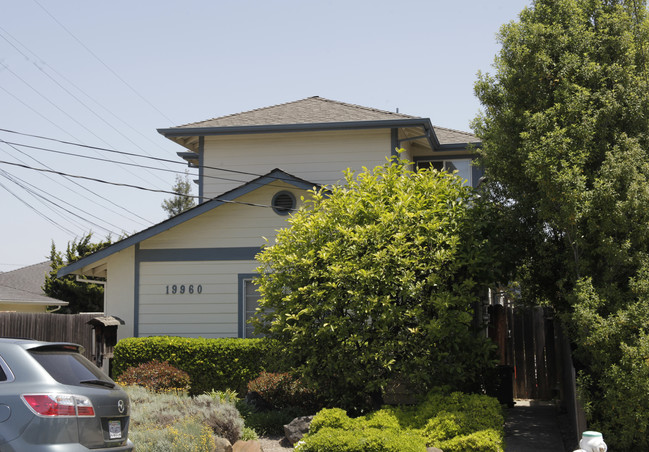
[[181, 289]]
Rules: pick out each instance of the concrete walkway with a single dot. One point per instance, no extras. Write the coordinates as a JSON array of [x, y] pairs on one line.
[[533, 427]]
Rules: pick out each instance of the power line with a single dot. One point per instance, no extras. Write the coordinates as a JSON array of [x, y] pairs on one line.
[[75, 86], [103, 63], [38, 212], [216, 168], [147, 222], [119, 184], [44, 97], [43, 198]]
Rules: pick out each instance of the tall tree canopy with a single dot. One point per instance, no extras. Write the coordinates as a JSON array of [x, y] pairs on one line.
[[565, 132], [376, 280], [83, 297], [182, 200]]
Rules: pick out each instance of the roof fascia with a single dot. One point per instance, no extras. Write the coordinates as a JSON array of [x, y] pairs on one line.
[[248, 187], [309, 127], [459, 146]]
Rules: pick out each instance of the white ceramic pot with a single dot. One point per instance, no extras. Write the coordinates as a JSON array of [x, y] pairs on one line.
[[592, 442]]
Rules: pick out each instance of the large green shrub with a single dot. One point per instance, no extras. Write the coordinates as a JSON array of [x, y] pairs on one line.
[[376, 280], [212, 364]]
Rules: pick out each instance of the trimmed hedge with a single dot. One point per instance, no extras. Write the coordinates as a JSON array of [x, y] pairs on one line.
[[212, 364]]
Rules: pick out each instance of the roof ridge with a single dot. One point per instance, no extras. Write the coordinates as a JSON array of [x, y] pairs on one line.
[[347, 104], [25, 267], [323, 99]]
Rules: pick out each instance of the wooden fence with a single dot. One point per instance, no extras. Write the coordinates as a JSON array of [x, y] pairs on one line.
[[529, 341], [533, 345], [50, 327]]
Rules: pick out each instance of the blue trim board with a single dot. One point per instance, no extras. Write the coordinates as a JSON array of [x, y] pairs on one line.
[[232, 195], [136, 293], [241, 277], [201, 168], [299, 127]]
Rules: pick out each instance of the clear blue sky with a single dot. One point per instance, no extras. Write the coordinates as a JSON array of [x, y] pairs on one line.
[[108, 74]]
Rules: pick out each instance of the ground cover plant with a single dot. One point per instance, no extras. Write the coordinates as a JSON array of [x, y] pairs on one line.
[[172, 421], [454, 422]]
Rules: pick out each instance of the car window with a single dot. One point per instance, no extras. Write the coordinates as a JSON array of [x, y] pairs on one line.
[[5, 372], [68, 368]]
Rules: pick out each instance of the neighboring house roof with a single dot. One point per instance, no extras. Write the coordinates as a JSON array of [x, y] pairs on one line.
[[313, 114], [187, 215], [24, 286]]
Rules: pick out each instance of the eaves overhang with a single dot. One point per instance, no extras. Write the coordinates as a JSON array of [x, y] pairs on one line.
[[227, 197], [459, 146], [178, 133]]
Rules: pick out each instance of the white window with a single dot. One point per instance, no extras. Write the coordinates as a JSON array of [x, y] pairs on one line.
[[462, 166]]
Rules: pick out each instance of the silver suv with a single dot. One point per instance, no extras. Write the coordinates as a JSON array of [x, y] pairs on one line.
[[54, 399]]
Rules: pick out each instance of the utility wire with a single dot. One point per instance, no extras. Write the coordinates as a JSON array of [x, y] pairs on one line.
[[22, 184], [27, 57], [38, 212], [118, 184], [216, 168], [104, 64], [45, 199], [8, 69], [147, 222]]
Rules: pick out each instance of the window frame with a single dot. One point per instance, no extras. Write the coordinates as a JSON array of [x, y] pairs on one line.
[[242, 314], [443, 160]]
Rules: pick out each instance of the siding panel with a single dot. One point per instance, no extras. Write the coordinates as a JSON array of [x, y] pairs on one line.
[[210, 313]]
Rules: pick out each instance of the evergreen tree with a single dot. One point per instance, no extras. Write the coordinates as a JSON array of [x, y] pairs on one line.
[[565, 133], [83, 297], [182, 200]]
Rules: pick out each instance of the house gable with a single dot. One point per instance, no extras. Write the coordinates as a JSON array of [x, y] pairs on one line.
[[94, 264]]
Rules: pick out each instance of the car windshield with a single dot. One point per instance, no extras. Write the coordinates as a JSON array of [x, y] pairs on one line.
[[68, 368]]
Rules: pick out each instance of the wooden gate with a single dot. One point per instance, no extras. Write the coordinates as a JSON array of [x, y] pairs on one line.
[[528, 340]]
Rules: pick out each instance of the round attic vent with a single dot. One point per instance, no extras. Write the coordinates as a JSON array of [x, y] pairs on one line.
[[283, 202]]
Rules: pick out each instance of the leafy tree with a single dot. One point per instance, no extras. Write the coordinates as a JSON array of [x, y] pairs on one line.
[[565, 133], [376, 280], [182, 200], [83, 297]]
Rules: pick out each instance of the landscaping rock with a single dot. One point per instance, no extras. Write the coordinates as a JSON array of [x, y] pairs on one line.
[[222, 445], [433, 449], [297, 428], [247, 446]]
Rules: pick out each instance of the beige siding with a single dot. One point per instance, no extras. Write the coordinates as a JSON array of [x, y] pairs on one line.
[[318, 157], [211, 313], [22, 307], [230, 225], [120, 295]]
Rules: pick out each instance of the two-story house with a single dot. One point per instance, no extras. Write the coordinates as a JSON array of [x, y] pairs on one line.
[[191, 275]]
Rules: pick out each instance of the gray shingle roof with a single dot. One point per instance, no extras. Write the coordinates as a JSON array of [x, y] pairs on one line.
[[24, 285], [451, 136], [316, 113], [312, 110]]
